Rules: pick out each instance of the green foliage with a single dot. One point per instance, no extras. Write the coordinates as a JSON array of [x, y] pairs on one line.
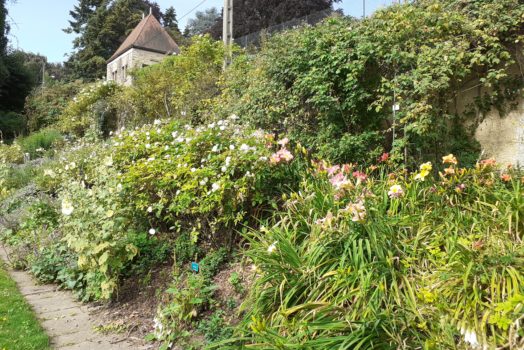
[[204, 180], [185, 250], [36, 144], [180, 86], [45, 104], [189, 296], [236, 281], [257, 15], [12, 124], [210, 265], [152, 252], [332, 86], [95, 226], [19, 176], [391, 261], [90, 110], [215, 328], [202, 22], [18, 83], [11, 154]]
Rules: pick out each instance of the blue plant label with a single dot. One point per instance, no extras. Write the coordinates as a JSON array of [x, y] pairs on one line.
[[195, 267]]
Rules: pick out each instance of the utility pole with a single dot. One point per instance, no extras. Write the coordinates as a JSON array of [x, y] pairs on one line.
[[227, 33], [364, 8], [43, 73]]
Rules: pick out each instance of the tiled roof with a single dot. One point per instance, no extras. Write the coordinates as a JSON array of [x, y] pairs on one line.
[[148, 35]]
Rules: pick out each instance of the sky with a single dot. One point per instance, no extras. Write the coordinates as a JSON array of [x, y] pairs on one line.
[[36, 25]]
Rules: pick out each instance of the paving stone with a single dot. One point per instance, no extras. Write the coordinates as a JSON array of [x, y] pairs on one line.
[[68, 323]]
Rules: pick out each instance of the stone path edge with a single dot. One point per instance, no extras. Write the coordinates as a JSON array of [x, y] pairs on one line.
[[68, 323]]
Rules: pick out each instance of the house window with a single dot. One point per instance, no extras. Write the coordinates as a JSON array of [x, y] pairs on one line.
[[124, 72], [115, 74]]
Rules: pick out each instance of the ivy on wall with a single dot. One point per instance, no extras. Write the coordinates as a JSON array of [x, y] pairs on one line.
[[334, 85]]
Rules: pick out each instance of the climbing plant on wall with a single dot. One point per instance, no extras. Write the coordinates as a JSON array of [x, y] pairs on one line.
[[334, 85]]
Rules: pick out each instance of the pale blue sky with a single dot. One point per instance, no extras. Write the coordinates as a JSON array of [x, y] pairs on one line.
[[37, 25]]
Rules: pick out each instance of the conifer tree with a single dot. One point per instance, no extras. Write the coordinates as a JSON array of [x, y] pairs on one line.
[[100, 27]]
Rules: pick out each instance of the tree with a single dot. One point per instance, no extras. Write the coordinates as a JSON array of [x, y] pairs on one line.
[[170, 23], [252, 16], [4, 31], [203, 22], [101, 26]]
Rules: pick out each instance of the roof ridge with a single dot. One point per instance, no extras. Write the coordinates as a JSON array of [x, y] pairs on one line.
[[140, 37], [144, 20]]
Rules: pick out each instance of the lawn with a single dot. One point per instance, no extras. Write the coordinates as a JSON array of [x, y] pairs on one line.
[[19, 328]]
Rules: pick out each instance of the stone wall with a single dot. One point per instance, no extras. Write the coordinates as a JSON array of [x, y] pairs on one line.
[[118, 70], [500, 136]]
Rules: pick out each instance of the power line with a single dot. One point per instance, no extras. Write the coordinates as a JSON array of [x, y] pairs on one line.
[[193, 9]]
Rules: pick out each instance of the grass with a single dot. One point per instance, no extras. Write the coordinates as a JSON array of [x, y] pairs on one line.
[[19, 328]]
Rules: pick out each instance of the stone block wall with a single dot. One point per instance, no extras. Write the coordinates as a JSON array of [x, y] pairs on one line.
[[118, 70]]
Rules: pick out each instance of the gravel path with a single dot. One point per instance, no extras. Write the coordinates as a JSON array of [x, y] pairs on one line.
[[69, 323]]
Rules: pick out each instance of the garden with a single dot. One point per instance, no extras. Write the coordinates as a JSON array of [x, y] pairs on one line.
[[279, 204]]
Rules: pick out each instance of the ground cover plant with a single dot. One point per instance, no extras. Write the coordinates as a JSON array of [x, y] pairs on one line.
[[19, 328]]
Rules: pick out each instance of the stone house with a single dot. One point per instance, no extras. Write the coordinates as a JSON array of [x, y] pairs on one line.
[[147, 44]]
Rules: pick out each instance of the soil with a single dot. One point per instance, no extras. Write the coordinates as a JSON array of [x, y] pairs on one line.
[[136, 305], [135, 308]]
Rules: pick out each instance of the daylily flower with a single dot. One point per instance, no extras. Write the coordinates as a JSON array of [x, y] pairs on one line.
[[384, 158], [424, 171], [357, 210], [488, 162], [449, 171], [339, 181], [283, 142], [395, 191], [505, 177], [449, 159], [325, 222], [360, 176], [460, 188], [426, 167], [332, 170], [282, 155]]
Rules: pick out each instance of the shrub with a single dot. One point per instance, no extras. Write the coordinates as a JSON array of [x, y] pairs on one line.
[[385, 259], [180, 86], [11, 154], [12, 124], [205, 181], [96, 227], [332, 86], [188, 296], [45, 104], [91, 109], [37, 143]]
